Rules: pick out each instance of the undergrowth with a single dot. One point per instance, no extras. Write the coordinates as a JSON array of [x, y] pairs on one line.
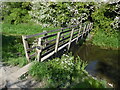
[[24, 29], [103, 40], [65, 72]]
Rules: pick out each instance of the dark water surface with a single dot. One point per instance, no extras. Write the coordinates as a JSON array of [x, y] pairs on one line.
[[102, 63]]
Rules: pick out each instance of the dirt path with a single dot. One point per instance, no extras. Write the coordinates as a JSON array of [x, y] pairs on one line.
[[7, 81]]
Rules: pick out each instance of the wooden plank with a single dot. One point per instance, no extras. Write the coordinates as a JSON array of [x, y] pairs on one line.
[[29, 49], [47, 56], [47, 47], [49, 41], [71, 36], [63, 46], [48, 36], [64, 39], [25, 44], [45, 40], [32, 55], [34, 35], [78, 33], [14, 76], [57, 41], [39, 51], [42, 33], [83, 31], [47, 52]]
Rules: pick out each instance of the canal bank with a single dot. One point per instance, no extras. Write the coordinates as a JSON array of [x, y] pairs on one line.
[[102, 63]]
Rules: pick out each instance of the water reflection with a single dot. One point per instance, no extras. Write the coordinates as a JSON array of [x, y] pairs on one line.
[[102, 63]]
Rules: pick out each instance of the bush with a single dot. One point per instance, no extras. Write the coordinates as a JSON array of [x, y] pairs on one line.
[[16, 12], [61, 13], [20, 61], [65, 72]]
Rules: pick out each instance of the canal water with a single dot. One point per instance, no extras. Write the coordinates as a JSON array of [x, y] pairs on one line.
[[102, 63]]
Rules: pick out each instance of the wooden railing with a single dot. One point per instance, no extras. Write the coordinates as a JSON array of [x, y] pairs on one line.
[[43, 45]]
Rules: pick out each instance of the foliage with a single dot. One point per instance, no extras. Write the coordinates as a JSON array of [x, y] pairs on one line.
[[16, 12], [60, 13], [103, 40], [104, 17], [20, 61], [23, 29], [106, 25], [39, 70], [67, 72]]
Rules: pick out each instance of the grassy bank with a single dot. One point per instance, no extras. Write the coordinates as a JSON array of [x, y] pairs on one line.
[[24, 29], [101, 39], [12, 46], [67, 72]]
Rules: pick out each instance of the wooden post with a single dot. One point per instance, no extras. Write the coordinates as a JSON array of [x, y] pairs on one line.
[[88, 28], [78, 33], [83, 30], [57, 42], [25, 44], [39, 51], [45, 39], [71, 36], [91, 25], [62, 36]]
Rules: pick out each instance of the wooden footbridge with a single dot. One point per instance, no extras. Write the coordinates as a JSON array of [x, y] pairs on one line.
[[43, 45]]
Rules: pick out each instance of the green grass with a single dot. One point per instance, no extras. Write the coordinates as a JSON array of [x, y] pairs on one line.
[[24, 29], [105, 41], [67, 72]]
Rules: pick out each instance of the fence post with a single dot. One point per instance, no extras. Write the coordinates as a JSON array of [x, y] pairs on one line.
[[71, 36], [39, 51], [25, 44], [83, 30], [45, 39], [91, 25], [57, 42], [62, 35], [78, 33]]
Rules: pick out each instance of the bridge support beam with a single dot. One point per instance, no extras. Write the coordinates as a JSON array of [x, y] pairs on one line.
[[57, 42], [25, 44], [39, 50], [71, 36]]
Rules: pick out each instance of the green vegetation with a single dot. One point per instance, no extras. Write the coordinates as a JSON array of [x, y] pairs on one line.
[[65, 72], [24, 29], [105, 41], [16, 12], [106, 29], [61, 13]]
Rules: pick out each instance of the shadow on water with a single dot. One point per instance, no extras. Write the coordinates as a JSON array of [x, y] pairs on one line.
[[102, 63]]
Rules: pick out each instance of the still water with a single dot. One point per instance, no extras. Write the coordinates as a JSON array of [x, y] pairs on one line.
[[102, 63]]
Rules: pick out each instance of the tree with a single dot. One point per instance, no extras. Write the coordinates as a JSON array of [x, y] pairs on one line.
[[61, 13], [16, 12]]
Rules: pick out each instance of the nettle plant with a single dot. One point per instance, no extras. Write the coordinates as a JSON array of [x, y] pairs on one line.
[[60, 13]]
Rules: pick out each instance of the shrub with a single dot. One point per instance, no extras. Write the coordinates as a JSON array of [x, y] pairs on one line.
[[16, 12], [65, 72]]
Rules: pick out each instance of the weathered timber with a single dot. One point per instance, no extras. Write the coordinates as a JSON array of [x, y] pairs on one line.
[[39, 51], [57, 42], [78, 33], [64, 37], [25, 44], [71, 36]]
